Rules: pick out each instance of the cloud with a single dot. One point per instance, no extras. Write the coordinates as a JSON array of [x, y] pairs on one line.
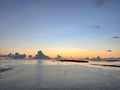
[[116, 37], [97, 27], [16, 56], [99, 2], [109, 51]]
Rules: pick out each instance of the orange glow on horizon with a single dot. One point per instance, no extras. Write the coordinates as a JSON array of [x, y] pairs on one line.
[[64, 52]]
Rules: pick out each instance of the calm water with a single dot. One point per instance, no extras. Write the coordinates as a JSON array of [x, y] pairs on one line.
[[50, 75]]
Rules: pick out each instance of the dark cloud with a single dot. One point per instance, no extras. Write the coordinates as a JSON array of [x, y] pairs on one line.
[[115, 37], [99, 2], [41, 55], [97, 27], [109, 51], [16, 56]]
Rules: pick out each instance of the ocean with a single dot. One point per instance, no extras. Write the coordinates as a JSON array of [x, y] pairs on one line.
[[56, 75]]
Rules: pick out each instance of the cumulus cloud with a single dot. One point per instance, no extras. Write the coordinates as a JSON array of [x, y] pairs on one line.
[[16, 56], [116, 37]]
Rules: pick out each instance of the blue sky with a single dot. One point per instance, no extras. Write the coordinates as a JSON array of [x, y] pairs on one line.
[[57, 24]]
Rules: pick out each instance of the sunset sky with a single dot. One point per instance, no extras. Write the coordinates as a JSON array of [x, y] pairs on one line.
[[71, 28]]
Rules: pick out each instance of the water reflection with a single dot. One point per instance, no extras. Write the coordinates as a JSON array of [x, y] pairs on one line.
[[32, 62], [53, 62], [90, 64], [52, 75], [117, 63], [13, 63]]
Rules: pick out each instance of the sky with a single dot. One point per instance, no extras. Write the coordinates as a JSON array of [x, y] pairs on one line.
[[70, 28]]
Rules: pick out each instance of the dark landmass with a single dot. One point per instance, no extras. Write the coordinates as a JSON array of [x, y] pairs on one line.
[[81, 61], [5, 69], [106, 65]]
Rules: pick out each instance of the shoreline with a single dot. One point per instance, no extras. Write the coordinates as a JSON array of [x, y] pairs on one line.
[[81, 61], [106, 65], [3, 69]]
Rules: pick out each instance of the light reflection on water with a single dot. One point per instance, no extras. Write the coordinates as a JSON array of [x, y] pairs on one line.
[[52, 75], [105, 62], [52, 62]]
